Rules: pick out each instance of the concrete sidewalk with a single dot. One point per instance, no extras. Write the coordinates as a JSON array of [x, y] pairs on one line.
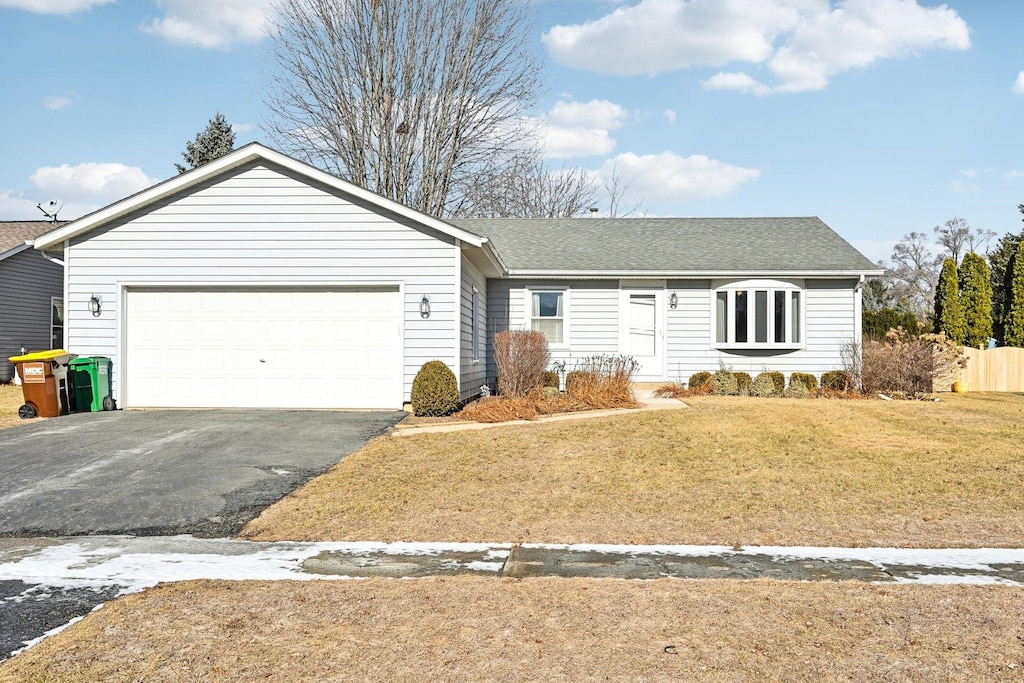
[[47, 584]]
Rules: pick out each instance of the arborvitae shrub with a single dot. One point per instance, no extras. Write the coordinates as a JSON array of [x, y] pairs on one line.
[[836, 380], [763, 386], [743, 382], [435, 391], [698, 380], [726, 384], [803, 379], [976, 299], [949, 312]]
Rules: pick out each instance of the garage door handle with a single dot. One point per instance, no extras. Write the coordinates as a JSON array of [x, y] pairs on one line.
[[262, 361]]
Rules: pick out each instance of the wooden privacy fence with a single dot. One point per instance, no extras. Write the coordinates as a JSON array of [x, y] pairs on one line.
[[999, 369]]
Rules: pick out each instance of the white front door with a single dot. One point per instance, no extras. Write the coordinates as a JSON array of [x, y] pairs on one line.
[[641, 332], [275, 347]]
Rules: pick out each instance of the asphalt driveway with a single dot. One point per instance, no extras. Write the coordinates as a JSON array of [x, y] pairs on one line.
[[167, 472]]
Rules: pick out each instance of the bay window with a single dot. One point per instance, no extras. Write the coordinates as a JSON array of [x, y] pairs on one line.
[[754, 314]]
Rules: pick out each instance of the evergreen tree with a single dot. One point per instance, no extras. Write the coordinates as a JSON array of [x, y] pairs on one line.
[[949, 313], [216, 140], [976, 299], [998, 262], [1013, 318]]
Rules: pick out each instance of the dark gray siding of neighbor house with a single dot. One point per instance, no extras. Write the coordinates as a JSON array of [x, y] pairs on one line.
[[27, 282]]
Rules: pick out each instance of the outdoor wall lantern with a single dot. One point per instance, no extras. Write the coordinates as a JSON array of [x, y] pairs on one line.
[[95, 306], [424, 307], [673, 300]]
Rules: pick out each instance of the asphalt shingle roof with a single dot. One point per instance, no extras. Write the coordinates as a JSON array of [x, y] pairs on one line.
[[15, 233], [668, 244]]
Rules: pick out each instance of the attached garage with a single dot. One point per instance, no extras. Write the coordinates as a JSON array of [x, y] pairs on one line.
[[257, 281], [263, 347]]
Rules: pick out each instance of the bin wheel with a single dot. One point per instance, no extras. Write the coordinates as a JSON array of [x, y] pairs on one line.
[[27, 411], [109, 404]]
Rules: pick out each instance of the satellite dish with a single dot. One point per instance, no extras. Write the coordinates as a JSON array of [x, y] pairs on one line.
[[51, 208]]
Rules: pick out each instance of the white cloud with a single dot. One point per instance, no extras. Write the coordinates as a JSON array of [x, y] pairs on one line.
[[671, 176], [53, 6], [802, 43], [962, 187], [1013, 174], [1018, 85], [15, 206], [57, 102], [201, 23], [93, 183], [577, 129], [241, 128], [670, 116]]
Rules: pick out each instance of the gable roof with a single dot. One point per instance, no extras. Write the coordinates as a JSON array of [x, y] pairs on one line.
[[14, 234], [666, 247], [254, 151]]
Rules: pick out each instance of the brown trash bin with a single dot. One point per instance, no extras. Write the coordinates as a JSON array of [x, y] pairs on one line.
[[43, 383]]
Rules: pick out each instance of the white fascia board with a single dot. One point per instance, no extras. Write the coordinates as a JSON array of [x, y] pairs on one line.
[[251, 152], [14, 250], [684, 275]]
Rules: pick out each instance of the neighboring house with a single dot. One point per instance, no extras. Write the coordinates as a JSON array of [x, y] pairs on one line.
[[31, 294], [259, 281]]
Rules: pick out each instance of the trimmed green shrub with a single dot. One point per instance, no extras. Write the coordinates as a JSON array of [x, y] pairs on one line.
[[763, 386], [698, 380], [876, 324], [743, 382], [803, 379], [551, 379], [435, 391], [836, 380], [726, 384], [949, 312], [1013, 318]]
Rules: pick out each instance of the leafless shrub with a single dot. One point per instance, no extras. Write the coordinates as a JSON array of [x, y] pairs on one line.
[[905, 366], [603, 381], [521, 357]]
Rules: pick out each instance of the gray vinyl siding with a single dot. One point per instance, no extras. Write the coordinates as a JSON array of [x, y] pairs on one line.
[[473, 373], [830, 318], [27, 282], [262, 223], [830, 322], [592, 313]]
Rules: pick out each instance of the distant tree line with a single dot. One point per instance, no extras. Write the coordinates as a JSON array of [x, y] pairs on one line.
[[968, 296]]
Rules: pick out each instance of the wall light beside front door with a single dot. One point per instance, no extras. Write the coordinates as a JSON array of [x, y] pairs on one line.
[[425, 307], [673, 300], [95, 306]]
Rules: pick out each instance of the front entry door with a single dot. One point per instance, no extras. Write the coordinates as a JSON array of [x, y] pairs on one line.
[[641, 335]]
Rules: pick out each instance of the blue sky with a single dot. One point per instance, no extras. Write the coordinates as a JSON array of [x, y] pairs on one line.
[[879, 116]]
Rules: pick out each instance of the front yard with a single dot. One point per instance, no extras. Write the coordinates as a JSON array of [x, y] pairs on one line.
[[728, 470], [10, 400], [471, 628]]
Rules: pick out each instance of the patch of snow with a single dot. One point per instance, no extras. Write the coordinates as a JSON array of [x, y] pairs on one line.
[[958, 579], [280, 472], [479, 566]]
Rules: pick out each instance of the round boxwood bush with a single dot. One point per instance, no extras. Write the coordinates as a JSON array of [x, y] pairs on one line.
[[435, 391], [778, 379], [804, 379], [699, 380], [742, 382], [726, 384], [836, 380]]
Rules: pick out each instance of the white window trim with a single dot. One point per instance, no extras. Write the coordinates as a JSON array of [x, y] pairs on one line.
[[771, 286], [474, 321], [528, 293], [64, 323]]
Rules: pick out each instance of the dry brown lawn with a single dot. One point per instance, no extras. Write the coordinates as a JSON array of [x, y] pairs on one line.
[[10, 400], [728, 470], [474, 628]]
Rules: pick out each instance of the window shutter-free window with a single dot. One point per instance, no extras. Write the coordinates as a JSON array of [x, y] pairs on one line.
[[548, 315]]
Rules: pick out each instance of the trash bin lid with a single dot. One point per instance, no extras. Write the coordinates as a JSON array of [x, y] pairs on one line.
[[39, 355]]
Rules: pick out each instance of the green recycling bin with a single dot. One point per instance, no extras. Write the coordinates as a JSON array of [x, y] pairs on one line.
[[91, 379]]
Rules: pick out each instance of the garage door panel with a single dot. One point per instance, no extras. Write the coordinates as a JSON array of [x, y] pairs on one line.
[[275, 348]]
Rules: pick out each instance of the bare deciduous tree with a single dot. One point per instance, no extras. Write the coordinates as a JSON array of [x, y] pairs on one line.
[[958, 238], [617, 186], [407, 98], [914, 272], [526, 188]]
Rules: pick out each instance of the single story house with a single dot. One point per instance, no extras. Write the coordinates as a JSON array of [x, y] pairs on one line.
[[31, 294], [259, 281]]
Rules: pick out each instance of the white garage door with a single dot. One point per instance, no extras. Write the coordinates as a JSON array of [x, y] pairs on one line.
[[266, 348]]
